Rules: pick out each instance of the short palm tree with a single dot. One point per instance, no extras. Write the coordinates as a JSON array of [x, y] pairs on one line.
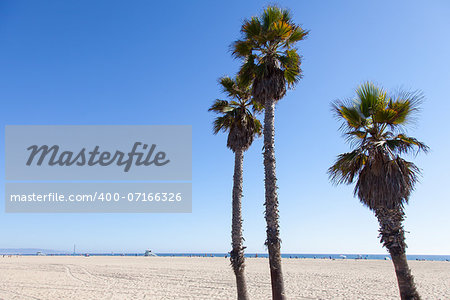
[[373, 123], [272, 64], [242, 126]]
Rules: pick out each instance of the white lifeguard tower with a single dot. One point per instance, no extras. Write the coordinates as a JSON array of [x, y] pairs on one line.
[[149, 252]]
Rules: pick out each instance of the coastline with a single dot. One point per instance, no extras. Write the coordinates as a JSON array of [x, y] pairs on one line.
[[332, 256], [119, 277]]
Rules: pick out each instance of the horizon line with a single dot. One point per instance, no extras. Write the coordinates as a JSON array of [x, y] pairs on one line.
[[213, 252]]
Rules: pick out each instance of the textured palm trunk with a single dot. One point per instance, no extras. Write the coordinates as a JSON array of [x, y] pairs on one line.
[[237, 253], [271, 204], [393, 238]]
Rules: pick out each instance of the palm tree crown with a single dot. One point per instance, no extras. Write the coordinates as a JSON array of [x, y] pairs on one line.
[[236, 116], [373, 123], [271, 61]]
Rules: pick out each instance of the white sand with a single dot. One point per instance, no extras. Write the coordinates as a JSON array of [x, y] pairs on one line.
[[208, 278]]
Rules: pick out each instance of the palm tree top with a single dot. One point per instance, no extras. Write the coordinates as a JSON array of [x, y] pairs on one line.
[[234, 88], [373, 122], [237, 114], [267, 42], [376, 117], [268, 34]]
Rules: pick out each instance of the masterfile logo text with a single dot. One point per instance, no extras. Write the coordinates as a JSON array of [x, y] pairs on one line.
[[98, 168], [98, 152]]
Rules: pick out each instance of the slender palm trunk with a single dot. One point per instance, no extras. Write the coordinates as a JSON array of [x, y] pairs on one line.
[[393, 238], [271, 214], [237, 253]]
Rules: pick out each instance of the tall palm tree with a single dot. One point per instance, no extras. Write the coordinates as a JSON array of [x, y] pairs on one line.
[[374, 122], [242, 126], [272, 64]]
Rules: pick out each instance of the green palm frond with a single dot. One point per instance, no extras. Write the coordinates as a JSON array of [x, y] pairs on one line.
[[385, 115], [273, 14], [290, 63], [350, 113], [355, 137], [257, 107], [297, 35], [358, 133], [222, 123], [235, 88], [406, 104], [290, 59], [251, 28], [371, 98], [257, 126], [248, 70], [228, 86], [404, 144], [220, 106], [242, 49], [347, 166], [282, 30]]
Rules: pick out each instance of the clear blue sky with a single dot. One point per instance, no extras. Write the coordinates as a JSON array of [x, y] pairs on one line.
[[146, 62]]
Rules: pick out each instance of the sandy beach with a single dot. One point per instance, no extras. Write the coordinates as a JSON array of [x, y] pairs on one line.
[[65, 277]]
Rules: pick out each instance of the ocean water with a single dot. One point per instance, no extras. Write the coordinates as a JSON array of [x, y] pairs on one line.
[[319, 256], [265, 255]]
